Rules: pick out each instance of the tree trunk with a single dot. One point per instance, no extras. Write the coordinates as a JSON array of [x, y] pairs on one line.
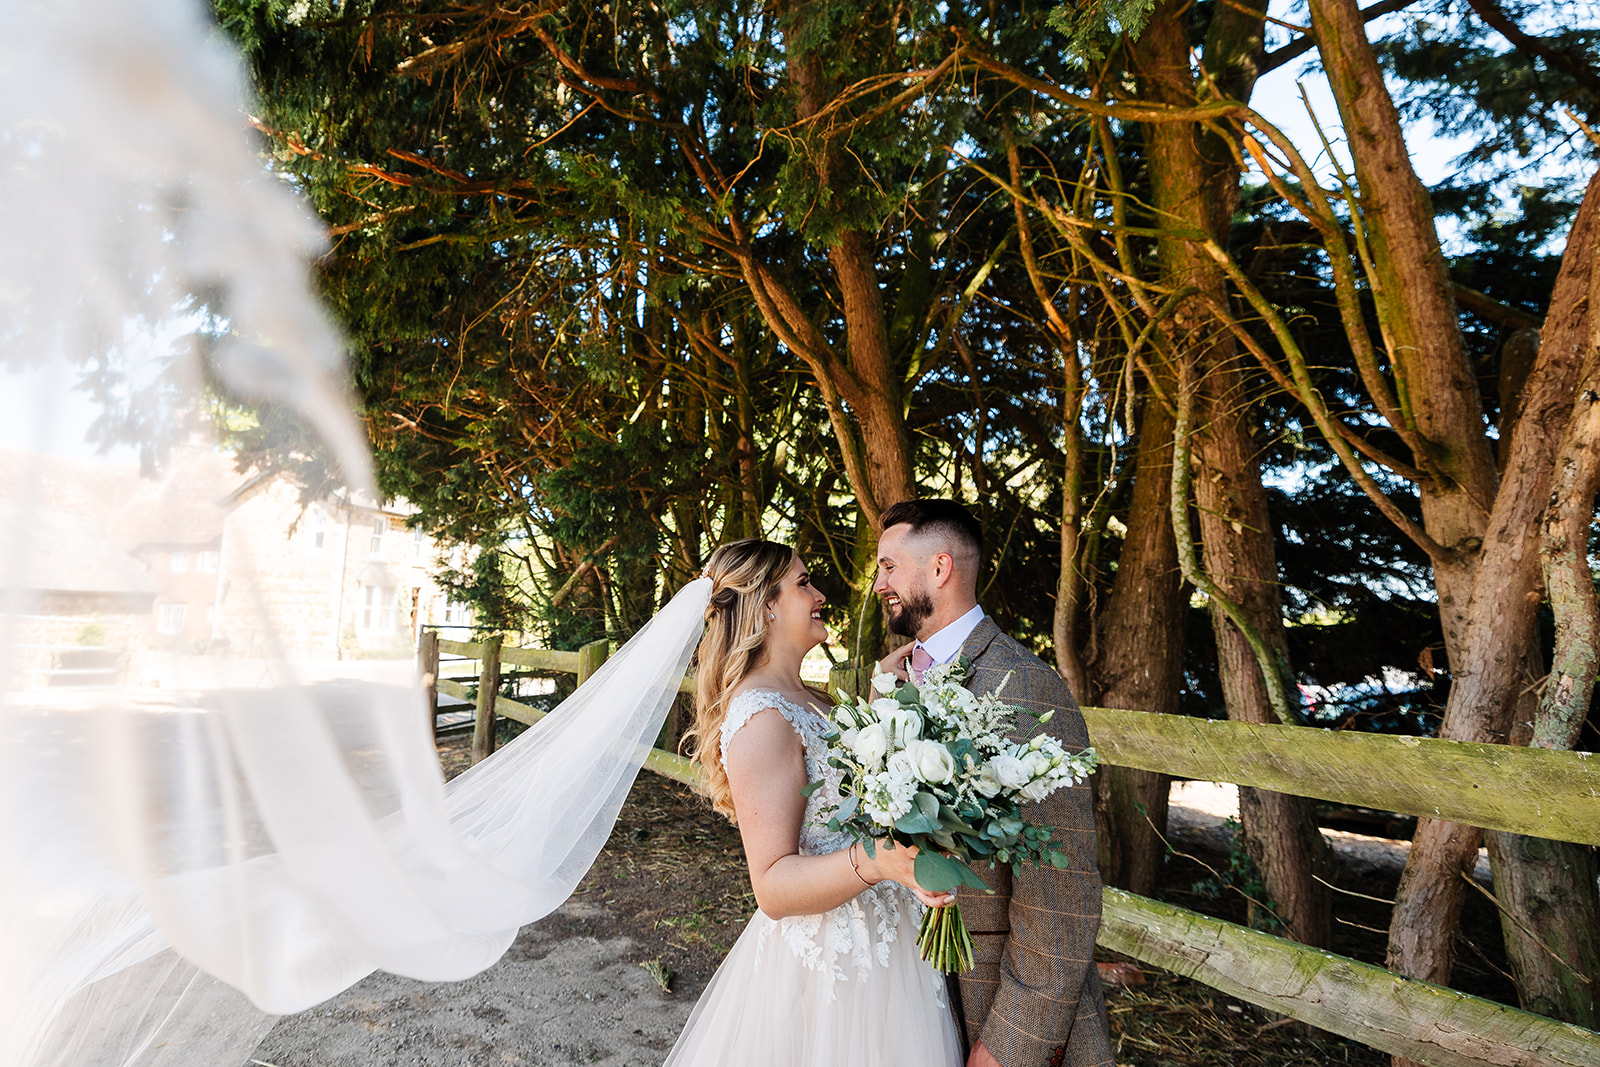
[[1140, 661], [1280, 831], [1195, 182], [1488, 584], [1547, 889], [866, 378], [1498, 627]]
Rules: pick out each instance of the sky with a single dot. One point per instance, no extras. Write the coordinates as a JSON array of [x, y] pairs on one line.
[[1277, 98]]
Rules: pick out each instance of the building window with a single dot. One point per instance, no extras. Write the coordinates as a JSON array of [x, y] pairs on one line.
[[206, 562], [170, 618], [377, 609], [457, 614], [319, 528], [416, 542], [380, 526], [179, 562]]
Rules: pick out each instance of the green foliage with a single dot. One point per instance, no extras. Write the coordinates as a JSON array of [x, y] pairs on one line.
[[560, 361], [1093, 28], [1240, 876]]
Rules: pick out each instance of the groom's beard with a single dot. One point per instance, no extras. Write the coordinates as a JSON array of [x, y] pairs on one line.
[[915, 607]]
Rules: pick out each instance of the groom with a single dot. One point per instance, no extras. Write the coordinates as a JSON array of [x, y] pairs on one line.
[[1034, 998]]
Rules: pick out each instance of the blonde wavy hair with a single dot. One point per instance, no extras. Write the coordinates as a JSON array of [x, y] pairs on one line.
[[746, 576]]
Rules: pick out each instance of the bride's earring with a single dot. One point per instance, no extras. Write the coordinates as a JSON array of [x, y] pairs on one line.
[[772, 617]]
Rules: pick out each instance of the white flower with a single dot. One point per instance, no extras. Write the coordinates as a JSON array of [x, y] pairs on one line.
[[871, 745], [884, 683], [1037, 790], [1038, 764], [904, 725], [1009, 771], [986, 781], [899, 770], [885, 706], [890, 792], [932, 761]]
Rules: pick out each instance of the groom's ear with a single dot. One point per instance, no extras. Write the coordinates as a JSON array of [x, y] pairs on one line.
[[944, 568]]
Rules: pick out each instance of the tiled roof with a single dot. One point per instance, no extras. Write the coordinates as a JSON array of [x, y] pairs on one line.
[[48, 550]]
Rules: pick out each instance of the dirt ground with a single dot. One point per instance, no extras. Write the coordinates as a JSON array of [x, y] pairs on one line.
[[611, 976]]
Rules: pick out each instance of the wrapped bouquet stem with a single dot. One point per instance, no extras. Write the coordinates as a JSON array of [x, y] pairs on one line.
[[935, 765]]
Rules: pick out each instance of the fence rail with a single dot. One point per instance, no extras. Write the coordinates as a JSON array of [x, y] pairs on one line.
[[1537, 792]]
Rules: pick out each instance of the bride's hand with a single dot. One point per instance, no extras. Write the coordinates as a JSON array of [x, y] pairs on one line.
[[898, 864], [895, 662]]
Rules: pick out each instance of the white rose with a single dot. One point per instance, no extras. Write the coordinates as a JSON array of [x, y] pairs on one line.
[[932, 761], [1037, 763], [884, 683], [1009, 771], [963, 699], [904, 725], [1036, 791], [986, 781], [885, 707], [871, 744], [847, 739], [900, 771]]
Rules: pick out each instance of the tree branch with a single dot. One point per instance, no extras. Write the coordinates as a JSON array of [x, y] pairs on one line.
[[1306, 42], [1582, 73]]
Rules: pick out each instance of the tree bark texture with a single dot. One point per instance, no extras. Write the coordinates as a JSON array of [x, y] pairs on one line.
[[866, 377], [1497, 630], [1547, 889], [1489, 585], [1195, 185], [1140, 660]]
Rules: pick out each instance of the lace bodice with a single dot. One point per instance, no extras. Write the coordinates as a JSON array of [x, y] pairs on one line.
[[815, 837], [825, 942]]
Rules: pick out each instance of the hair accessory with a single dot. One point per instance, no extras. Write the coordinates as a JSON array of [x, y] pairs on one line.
[[705, 572]]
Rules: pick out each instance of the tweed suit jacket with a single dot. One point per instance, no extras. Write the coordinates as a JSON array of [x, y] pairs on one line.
[[1034, 998]]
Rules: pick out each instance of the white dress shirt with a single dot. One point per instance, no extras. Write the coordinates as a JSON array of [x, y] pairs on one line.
[[946, 644]]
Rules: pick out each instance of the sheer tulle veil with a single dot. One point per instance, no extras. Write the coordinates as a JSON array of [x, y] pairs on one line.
[[198, 833]]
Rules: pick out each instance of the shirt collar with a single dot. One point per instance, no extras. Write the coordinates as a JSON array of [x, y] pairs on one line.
[[944, 645]]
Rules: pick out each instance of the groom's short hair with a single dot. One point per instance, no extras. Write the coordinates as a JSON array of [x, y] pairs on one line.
[[946, 519]]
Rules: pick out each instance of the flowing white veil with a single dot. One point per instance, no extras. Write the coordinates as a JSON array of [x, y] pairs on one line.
[[197, 835]]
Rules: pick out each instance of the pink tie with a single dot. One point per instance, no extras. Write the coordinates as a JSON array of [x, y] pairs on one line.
[[920, 662]]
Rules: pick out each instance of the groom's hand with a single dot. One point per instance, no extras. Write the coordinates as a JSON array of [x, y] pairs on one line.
[[895, 662], [980, 1057]]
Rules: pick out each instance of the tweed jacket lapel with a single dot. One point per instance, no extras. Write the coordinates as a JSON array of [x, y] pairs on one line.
[[978, 641]]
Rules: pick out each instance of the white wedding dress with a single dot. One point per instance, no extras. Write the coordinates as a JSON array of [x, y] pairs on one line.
[[844, 987]]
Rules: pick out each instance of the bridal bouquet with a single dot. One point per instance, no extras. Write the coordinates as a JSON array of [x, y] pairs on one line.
[[932, 765]]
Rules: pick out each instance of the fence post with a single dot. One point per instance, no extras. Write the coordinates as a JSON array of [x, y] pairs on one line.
[[590, 657], [851, 679], [428, 667], [488, 687]]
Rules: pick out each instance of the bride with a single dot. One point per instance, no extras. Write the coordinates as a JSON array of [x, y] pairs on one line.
[[827, 972]]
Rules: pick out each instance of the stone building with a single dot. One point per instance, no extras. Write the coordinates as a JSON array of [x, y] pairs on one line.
[[201, 560], [341, 578], [76, 603]]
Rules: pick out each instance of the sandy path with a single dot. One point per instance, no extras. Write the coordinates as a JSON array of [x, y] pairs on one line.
[[552, 1000], [560, 998]]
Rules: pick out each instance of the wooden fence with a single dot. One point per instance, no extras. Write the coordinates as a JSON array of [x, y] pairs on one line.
[[1537, 792], [491, 656]]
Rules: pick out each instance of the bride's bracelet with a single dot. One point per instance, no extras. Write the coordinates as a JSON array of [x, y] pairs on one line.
[[852, 856]]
